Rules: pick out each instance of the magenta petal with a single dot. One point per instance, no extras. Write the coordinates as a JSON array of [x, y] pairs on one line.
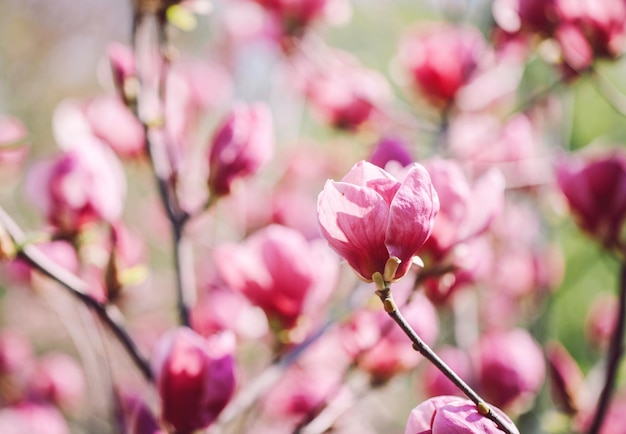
[[366, 174], [411, 216], [354, 220]]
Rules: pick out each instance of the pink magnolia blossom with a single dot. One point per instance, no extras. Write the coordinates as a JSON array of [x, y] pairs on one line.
[[441, 59], [601, 320], [588, 30], [511, 368], [342, 92], [13, 142], [242, 144], [195, 378], [596, 193], [83, 185], [369, 216], [452, 415], [277, 269]]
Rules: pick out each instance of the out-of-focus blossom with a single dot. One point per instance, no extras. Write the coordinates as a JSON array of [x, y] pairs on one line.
[[82, 185], [278, 270], [242, 144], [342, 92], [524, 16], [221, 308], [13, 142], [452, 415], [613, 422], [380, 347], [122, 61], [195, 378], [596, 193], [369, 217], [589, 30], [58, 379], [113, 123], [435, 383], [390, 149], [601, 320], [61, 252], [77, 121], [467, 210], [136, 417], [32, 419], [511, 368], [15, 352], [441, 59], [566, 378], [482, 142]]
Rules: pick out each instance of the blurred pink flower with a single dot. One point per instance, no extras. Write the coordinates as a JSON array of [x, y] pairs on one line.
[[390, 149], [595, 190], [195, 377], [61, 252], [452, 415], [380, 347], [441, 59], [59, 379], [435, 383], [588, 30], [277, 269], [511, 368], [136, 417], [566, 378], [13, 142], [342, 91], [601, 320], [15, 352], [32, 419], [122, 61], [369, 216], [242, 144], [467, 210], [85, 184]]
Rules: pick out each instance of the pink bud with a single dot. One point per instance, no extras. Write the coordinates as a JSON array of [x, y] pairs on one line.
[[127, 138], [195, 378], [566, 378], [390, 149], [241, 146], [511, 366], [83, 185], [596, 193], [369, 216], [601, 320], [122, 62], [278, 270], [452, 415], [441, 59]]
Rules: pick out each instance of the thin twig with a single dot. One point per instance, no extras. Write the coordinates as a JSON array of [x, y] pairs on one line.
[[76, 287], [420, 346], [615, 352]]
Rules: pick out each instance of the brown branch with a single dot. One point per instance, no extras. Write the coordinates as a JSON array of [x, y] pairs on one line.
[[77, 287]]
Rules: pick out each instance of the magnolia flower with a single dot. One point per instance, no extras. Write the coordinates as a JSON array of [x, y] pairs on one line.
[[195, 378], [369, 217], [452, 415], [241, 145]]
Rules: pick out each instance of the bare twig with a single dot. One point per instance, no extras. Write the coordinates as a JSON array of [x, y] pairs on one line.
[[76, 287]]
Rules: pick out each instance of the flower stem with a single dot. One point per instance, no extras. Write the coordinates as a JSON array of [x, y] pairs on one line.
[[76, 287], [384, 293], [615, 352]]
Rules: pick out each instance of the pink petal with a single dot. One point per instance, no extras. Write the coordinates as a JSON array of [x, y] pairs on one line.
[[411, 216], [366, 174], [354, 220]]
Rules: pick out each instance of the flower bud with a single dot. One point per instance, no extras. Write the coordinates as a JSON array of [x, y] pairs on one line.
[[241, 145], [195, 378]]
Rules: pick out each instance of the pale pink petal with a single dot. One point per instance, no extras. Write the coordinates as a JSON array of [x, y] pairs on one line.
[[366, 174], [354, 220]]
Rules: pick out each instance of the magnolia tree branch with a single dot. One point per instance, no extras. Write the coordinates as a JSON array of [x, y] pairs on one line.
[[384, 293], [77, 287], [615, 352], [150, 39]]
